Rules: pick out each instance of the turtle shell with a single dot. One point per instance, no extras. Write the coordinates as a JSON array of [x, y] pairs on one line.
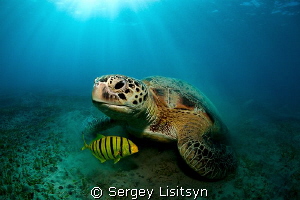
[[177, 94]]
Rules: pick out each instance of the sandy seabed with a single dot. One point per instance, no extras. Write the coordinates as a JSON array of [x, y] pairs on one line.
[[41, 156]]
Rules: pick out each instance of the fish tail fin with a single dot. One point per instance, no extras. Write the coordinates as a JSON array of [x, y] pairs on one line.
[[85, 144]]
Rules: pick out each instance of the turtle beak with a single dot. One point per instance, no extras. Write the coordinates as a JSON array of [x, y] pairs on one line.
[[102, 94], [96, 93]]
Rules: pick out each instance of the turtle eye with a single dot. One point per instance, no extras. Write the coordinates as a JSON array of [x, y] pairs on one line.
[[119, 85]]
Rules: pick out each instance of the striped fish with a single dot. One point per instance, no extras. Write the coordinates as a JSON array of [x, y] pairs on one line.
[[110, 147]]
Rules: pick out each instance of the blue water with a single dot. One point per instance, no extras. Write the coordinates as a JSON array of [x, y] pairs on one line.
[[245, 49], [243, 54]]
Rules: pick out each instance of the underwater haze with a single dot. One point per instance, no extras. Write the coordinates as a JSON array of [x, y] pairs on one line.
[[245, 49], [243, 54]]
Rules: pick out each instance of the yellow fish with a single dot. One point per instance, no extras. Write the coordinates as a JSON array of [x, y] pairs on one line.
[[110, 147]]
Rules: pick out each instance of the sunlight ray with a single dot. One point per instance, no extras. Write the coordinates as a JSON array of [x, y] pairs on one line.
[[99, 8]]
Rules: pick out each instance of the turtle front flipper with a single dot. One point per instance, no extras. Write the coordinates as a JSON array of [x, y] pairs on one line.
[[210, 158], [93, 125]]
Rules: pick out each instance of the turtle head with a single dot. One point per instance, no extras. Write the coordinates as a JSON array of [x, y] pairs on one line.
[[118, 96]]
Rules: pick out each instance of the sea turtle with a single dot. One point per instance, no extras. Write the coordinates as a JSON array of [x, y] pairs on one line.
[[167, 109]]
